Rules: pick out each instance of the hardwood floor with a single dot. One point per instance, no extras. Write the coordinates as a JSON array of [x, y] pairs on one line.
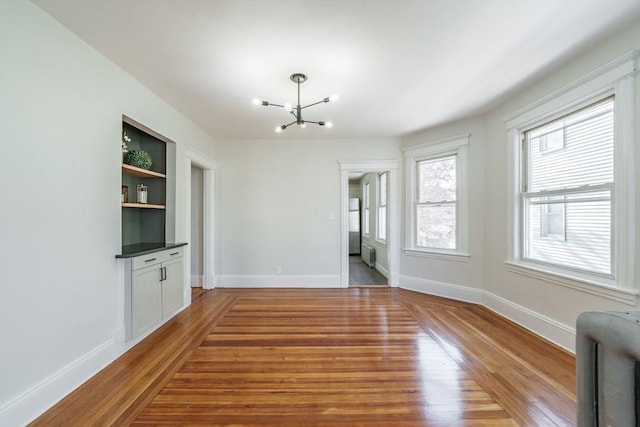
[[197, 293], [362, 356]]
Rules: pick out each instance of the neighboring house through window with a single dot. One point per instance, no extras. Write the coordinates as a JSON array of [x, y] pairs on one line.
[[567, 191], [573, 184]]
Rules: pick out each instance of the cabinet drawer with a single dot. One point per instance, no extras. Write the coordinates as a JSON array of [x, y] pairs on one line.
[[156, 258]]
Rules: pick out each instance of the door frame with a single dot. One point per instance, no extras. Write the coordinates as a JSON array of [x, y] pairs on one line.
[[393, 215], [208, 221]]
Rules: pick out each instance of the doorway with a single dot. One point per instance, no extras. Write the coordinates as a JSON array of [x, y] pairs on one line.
[[368, 229], [199, 225], [385, 240]]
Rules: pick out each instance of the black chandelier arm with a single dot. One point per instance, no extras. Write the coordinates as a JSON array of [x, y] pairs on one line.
[[316, 103], [267, 104], [320, 123]]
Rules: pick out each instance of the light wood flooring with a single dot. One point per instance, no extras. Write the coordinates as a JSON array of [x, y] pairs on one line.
[[343, 357]]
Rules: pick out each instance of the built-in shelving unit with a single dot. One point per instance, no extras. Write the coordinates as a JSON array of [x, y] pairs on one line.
[[143, 206], [154, 286], [142, 173], [146, 223]]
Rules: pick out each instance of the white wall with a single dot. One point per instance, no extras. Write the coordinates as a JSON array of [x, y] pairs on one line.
[[454, 278], [555, 308], [354, 190], [279, 206], [61, 114], [548, 309]]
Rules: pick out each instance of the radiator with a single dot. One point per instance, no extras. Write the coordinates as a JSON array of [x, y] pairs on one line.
[[368, 254], [608, 369]]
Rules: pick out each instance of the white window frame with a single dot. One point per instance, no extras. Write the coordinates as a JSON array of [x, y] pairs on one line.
[[382, 205], [618, 79], [457, 145], [366, 208]]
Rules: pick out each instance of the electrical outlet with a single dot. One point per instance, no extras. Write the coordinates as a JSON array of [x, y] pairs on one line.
[[278, 269]]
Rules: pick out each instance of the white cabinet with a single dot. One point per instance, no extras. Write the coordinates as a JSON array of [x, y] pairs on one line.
[[172, 286], [153, 290]]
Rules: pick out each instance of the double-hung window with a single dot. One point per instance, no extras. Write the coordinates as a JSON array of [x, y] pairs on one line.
[[567, 190], [573, 184], [382, 207], [437, 198], [436, 203], [367, 209]]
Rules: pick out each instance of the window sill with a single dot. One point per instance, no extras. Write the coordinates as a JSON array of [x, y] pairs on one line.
[[449, 256], [626, 296]]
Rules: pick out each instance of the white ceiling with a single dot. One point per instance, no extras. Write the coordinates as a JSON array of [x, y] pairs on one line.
[[398, 66]]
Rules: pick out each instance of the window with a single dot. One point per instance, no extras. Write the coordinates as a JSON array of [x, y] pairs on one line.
[[365, 218], [382, 207], [436, 216], [436, 204], [567, 192], [573, 185], [354, 215]]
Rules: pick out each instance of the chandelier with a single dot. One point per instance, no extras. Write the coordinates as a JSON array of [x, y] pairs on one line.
[[296, 112]]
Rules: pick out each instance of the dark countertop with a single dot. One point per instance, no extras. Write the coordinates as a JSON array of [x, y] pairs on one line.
[[130, 251]]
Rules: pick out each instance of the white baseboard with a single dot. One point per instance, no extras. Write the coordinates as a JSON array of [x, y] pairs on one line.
[[382, 271], [537, 323], [279, 281], [547, 328], [211, 282], [37, 399], [457, 292]]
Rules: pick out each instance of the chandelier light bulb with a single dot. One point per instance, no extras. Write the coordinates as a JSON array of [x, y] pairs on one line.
[[279, 129], [256, 101], [334, 97], [288, 106], [329, 124]]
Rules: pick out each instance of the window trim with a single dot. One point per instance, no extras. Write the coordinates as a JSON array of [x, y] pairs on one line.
[[457, 145], [614, 79], [379, 205], [366, 208]]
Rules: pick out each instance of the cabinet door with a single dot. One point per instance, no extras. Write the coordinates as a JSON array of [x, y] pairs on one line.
[[172, 287], [146, 295]]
